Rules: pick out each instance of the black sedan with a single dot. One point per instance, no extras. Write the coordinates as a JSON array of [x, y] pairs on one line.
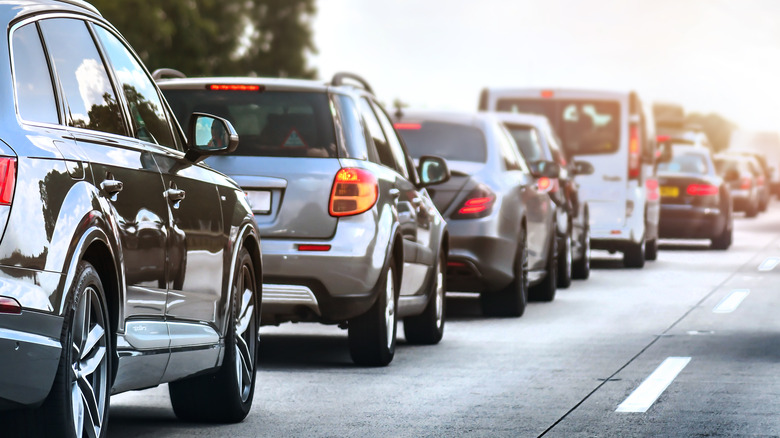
[[695, 201]]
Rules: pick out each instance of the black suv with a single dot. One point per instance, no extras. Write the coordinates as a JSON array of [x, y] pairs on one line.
[[125, 262]]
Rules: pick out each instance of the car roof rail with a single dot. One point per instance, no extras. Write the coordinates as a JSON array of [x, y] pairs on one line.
[[338, 79], [83, 4], [161, 73]]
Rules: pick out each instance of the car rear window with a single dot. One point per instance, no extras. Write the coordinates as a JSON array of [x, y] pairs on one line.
[[685, 161], [586, 127], [447, 140], [269, 124], [528, 142]]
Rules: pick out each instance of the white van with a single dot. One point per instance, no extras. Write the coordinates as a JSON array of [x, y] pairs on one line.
[[616, 134]]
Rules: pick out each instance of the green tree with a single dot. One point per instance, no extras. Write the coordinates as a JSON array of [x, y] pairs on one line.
[[218, 37], [717, 128]]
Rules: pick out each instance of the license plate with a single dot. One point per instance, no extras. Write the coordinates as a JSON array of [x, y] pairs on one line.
[[670, 192], [259, 200]]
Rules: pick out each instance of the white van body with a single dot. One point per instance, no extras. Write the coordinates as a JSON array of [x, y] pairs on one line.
[[596, 126]]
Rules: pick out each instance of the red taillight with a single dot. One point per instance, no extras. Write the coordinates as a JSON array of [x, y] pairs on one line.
[[408, 126], [547, 94], [7, 180], [354, 191], [746, 183], [653, 191], [233, 87], [702, 190], [313, 247], [547, 185], [634, 152], [478, 204], [10, 305], [663, 139]]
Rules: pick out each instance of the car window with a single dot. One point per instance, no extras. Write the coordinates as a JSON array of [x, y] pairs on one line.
[[269, 123], [32, 78], [90, 99], [685, 163], [508, 148], [392, 140], [147, 113], [384, 153], [354, 136], [447, 140], [528, 141]]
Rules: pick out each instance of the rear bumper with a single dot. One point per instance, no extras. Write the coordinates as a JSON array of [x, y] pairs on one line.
[[480, 259], [689, 222], [30, 350]]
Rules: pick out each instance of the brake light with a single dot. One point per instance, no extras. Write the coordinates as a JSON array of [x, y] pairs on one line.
[[7, 180], [653, 192], [746, 183], [354, 191], [408, 126], [634, 152], [10, 305], [702, 190], [547, 94], [479, 203], [547, 185], [663, 138], [233, 87]]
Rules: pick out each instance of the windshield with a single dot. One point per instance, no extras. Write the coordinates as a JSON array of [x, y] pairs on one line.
[[586, 127], [270, 124], [446, 140]]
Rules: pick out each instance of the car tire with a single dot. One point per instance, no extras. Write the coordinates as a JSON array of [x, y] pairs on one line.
[[752, 209], [512, 300], [565, 263], [580, 269], [634, 255], [84, 371], [226, 395], [722, 241], [545, 291], [651, 250], [428, 327], [372, 336]]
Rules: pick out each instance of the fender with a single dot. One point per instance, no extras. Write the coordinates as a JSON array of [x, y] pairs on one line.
[[246, 229]]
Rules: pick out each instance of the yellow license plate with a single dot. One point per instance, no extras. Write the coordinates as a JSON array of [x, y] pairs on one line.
[[670, 192]]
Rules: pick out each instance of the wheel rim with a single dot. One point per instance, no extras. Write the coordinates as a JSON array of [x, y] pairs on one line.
[[439, 296], [390, 309], [587, 249], [568, 256], [246, 333], [89, 365]]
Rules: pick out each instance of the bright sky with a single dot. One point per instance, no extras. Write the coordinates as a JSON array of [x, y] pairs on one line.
[[709, 55]]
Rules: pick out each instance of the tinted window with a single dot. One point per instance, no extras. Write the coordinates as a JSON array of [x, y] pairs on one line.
[[146, 108], [270, 123], [685, 162], [378, 136], [392, 140], [354, 136], [447, 140], [89, 96], [585, 127], [528, 142], [34, 90], [508, 148]]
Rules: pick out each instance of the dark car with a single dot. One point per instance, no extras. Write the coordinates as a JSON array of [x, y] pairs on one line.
[[695, 201], [537, 141], [740, 172], [125, 261], [350, 235], [762, 172], [502, 224]]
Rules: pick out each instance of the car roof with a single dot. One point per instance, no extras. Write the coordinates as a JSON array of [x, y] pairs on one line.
[[269, 83], [523, 118], [468, 118], [10, 10], [559, 93]]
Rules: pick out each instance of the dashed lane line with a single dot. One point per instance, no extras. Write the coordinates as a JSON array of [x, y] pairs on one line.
[[656, 383], [769, 264], [731, 301]]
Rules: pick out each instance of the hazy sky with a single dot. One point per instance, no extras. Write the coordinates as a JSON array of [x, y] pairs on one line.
[[709, 55]]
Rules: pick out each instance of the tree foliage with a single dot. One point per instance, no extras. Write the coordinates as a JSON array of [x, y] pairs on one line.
[[717, 128], [218, 37]]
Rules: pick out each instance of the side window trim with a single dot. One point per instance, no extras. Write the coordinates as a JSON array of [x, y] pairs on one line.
[[379, 112]]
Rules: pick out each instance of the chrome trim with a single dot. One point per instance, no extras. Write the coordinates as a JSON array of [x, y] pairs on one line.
[[147, 335], [187, 335], [291, 295]]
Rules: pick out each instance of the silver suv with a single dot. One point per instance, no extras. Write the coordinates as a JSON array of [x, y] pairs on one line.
[[350, 234]]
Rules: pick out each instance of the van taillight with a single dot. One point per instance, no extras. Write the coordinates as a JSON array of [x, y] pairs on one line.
[[354, 191], [7, 179], [634, 152], [653, 190], [479, 203]]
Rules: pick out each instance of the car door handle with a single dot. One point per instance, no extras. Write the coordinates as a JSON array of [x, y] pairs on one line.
[[112, 186], [175, 194], [416, 201], [395, 193]]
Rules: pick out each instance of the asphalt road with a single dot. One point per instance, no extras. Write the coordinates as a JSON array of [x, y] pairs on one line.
[[591, 363]]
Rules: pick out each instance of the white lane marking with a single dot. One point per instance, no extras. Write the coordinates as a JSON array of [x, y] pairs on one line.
[[769, 264], [732, 301], [656, 383]]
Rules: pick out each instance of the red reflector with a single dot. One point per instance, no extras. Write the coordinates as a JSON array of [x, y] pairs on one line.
[[408, 126], [313, 247], [7, 180], [547, 94], [233, 87], [746, 183], [10, 305], [702, 190], [456, 264], [614, 232], [653, 193]]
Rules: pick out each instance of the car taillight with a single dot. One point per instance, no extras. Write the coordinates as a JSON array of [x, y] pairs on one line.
[[702, 190], [653, 192], [234, 87], [479, 203], [746, 183], [634, 152], [7, 179], [354, 191], [547, 185], [407, 126], [10, 305]]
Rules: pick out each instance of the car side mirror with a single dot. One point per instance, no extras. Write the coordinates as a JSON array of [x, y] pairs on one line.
[[433, 170], [583, 168], [544, 168], [731, 175], [209, 135]]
